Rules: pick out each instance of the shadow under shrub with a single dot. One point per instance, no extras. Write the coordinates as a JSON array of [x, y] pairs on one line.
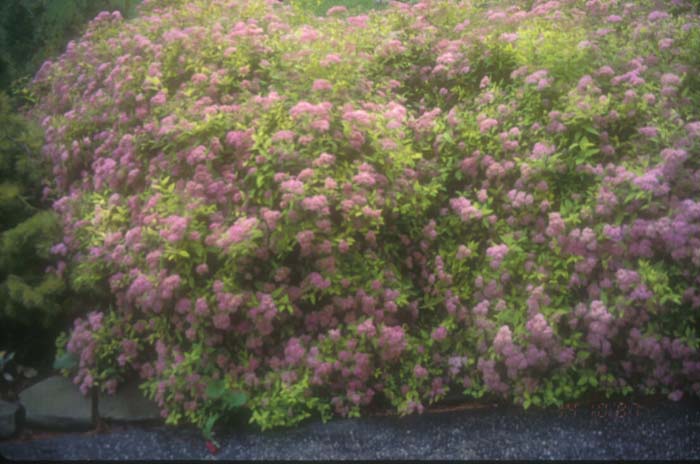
[[264, 199]]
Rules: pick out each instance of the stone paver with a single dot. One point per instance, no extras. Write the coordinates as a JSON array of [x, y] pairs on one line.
[[56, 403], [9, 415], [128, 404]]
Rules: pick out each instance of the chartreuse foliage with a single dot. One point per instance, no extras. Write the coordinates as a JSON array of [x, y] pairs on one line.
[[315, 214]]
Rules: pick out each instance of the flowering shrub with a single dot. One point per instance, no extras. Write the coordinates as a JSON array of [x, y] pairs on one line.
[[328, 212]]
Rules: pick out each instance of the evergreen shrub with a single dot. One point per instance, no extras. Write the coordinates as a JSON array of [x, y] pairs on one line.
[[33, 30], [31, 301]]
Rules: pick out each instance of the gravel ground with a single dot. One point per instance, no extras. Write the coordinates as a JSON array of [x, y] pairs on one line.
[[608, 430]]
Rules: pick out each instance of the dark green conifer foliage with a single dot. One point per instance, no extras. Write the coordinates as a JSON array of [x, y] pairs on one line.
[[33, 30], [31, 300], [34, 305]]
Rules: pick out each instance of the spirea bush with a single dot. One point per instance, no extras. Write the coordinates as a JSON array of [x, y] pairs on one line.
[[325, 213]]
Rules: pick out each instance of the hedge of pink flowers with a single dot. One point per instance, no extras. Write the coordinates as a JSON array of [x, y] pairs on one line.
[[328, 213]]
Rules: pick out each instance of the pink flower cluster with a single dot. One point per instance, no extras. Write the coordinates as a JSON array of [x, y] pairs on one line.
[[464, 209], [497, 253]]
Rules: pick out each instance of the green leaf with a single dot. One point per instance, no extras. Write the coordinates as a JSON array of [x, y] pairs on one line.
[[9, 191], [591, 130], [216, 389], [67, 361], [235, 399], [209, 425]]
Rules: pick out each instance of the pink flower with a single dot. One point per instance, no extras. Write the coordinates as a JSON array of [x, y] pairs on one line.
[[420, 371], [175, 227], [305, 174], [317, 281], [321, 125], [606, 71], [321, 85], [463, 252], [222, 321], [556, 225], [648, 131], [308, 34], [324, 159], [503, 339], [283, 136], [665, 44], [317, 204], [305, 239], [482, 308], [358, 21], [159, 99], [367, 328], [539, 329], [240, 140], [497, 253], [541, 150], [361, 117], [199, 78], [294, 352], [657, 15], [139, 286], [201, 307], [336, 10], [537, 77], [392, 342], [271, 217], [487, 124], [293, 186], [509, 37], [464, 209], [364, 178], [95, 320], [331, 58], [183, 305], [693, 129], [334, 334], [455, 364], [169, 285], [241, 230], [197, 155], [439, 334], [670, 79], [59, 249], [626, 279]]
